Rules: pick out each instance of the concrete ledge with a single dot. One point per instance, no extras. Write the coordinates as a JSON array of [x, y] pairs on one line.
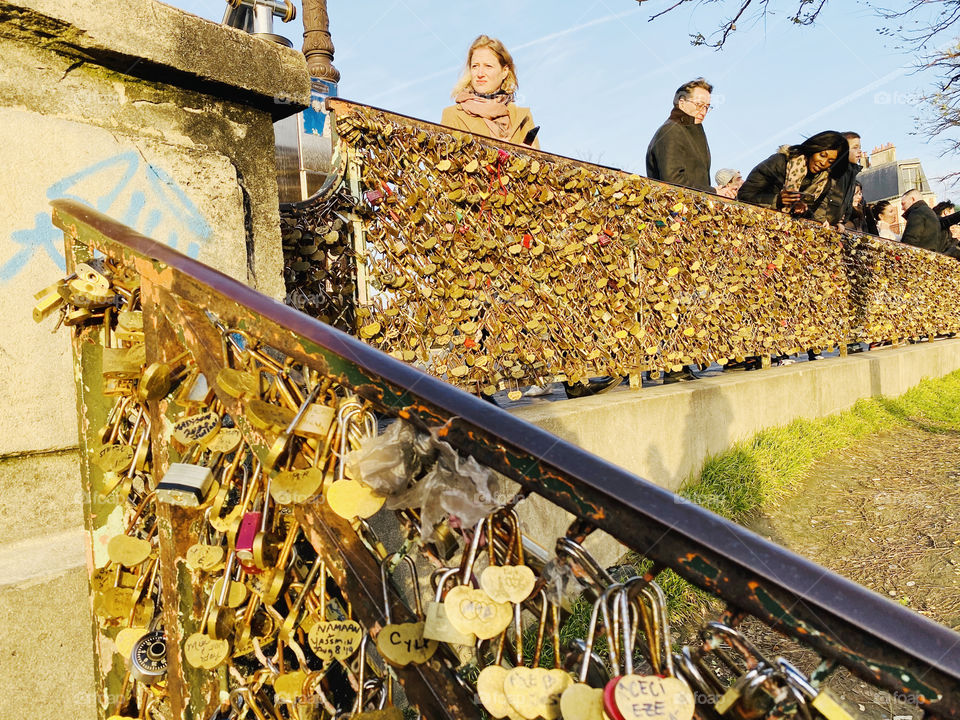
[[42, 495], [46, 648], [38, 560], [150, 40], [665, 434]]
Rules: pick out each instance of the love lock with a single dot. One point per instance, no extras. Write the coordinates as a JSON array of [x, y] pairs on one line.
[[402, 644], [148, 659], [437, 625]]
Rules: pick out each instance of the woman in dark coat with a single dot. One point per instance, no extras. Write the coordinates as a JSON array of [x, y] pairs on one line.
[[861, 218], [797, 178]]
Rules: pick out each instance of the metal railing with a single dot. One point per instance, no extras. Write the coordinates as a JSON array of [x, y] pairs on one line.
[[190, 308]]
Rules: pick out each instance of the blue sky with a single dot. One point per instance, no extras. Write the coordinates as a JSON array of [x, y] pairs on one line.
[[599, 78]]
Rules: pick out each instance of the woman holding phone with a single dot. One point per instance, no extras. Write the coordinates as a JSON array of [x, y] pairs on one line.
[[797, 178], [484, 97]]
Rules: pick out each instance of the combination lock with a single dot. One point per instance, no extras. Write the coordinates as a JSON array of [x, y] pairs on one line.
[[148, 660]]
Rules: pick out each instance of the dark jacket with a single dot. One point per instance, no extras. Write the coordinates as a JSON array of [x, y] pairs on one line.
[[923, 227], [840, 195], [764, 183], [679, 153], [948, 244]]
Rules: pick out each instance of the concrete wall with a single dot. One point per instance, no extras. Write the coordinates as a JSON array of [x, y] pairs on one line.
[[165, 122], [664, 434]]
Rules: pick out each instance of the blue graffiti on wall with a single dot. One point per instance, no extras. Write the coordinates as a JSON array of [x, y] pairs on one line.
[[133, 191]]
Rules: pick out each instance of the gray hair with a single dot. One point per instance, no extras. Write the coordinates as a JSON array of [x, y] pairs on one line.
[[686, 90]]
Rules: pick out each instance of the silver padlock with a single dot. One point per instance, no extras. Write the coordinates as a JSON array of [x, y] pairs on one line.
[[148, 659], [185, 484]]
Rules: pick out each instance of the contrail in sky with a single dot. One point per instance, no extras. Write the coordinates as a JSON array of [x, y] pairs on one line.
[[784, 132], [451, 70]]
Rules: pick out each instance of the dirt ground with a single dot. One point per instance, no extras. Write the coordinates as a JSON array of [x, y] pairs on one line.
[[884, 514]]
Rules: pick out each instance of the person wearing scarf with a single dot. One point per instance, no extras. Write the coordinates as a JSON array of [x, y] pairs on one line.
[[484, 97], [797, 178]]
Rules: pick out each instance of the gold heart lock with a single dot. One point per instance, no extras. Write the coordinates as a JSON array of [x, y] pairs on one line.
[[650, 697], [350, 499], [205, 653], [508, 583], [473, 611], [492, 696], [582, 702], [296, 486], [289, 686], [401, 644], [535, 692], [128, 551], [335, 639]]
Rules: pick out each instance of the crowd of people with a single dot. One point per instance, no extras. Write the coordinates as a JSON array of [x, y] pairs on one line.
[[814, 180]]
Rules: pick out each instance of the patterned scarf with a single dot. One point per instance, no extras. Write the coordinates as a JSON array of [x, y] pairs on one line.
[[492, 109], [797, 171]]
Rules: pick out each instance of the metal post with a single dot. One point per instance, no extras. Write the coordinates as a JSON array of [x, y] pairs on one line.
[[317, 43]]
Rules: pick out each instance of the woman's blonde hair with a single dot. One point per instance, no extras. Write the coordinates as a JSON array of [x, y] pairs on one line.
[[509, 84]]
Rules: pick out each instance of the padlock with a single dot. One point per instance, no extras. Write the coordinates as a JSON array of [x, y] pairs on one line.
[[272, 581], [280, 445], [401, 644], [820, 699], [436, 626], [185, 484], [221, 618], [637, 695], [758, 685], [382, 712], [148, 659], [292, 620], [534, 691], [582, 700]]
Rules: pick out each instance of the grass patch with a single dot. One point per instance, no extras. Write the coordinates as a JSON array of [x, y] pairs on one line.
[[759, 472]]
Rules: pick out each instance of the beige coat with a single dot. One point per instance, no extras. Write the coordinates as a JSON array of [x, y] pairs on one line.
[[521, 121]]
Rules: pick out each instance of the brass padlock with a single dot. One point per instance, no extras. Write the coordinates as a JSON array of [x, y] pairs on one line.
[[436, 625]]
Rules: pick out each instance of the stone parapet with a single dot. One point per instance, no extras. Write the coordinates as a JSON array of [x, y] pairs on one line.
[[164, 121]]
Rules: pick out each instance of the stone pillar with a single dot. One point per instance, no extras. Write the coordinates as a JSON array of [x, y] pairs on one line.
[[165, 122]]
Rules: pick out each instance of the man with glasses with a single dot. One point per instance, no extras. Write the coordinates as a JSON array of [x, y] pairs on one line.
[[679, 153]]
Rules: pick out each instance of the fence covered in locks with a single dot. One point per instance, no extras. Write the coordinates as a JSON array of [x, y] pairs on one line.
[[491, 264], [264, 492]]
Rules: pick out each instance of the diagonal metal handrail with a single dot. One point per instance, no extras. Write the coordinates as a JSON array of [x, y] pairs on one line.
[[876, 639]]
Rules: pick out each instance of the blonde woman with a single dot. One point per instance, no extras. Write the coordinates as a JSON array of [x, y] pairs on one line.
[[484, 96]]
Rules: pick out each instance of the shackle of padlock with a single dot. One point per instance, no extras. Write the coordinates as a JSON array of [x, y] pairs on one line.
[[656, 623], [589, 642], [514, 541], [576, 556], [810, 695], [290, 623], [609, 627], [737, 641], [470, 556], [690, 670], [418, 605], [345, 411], [220, 618]]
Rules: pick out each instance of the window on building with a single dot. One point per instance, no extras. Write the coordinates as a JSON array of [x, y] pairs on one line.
[[911, 178]]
